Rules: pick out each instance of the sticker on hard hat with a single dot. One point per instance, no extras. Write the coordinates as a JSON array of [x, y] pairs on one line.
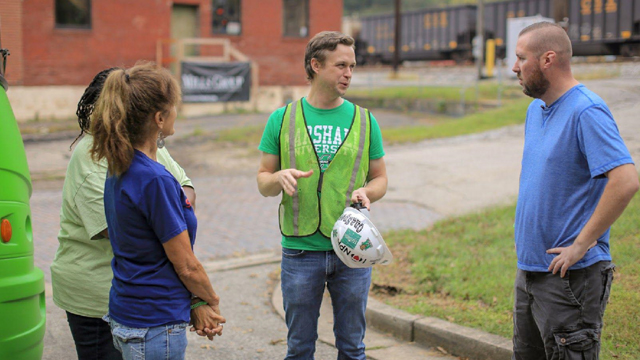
[[352, 221], [350, 238], [353, 256], [365, 245]]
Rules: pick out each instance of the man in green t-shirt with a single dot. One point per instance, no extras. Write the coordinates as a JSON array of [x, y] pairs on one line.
[[321, 153]]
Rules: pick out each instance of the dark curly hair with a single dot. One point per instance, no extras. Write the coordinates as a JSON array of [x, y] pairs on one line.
[[88, 101]]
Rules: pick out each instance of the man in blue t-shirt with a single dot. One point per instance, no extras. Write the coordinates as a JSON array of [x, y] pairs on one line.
[[577, 178]]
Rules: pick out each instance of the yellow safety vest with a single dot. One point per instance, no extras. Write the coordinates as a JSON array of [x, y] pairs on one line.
[[306, 211]]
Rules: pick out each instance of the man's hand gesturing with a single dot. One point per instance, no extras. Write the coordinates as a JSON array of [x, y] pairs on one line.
[[288, 179]]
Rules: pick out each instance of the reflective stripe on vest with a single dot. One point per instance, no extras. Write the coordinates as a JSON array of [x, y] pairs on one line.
[[304, 213], [292, 164], [363, 130]]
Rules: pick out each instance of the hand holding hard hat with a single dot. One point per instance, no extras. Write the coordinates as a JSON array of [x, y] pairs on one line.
[[356, 240]]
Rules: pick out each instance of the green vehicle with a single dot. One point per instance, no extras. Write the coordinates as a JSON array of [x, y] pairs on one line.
[[22, 300]]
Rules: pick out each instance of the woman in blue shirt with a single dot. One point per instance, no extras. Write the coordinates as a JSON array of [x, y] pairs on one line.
[[151, 224]]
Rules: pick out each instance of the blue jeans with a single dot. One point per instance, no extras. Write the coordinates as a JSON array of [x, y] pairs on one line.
[[92, 338], [304, 275], [165, 342]]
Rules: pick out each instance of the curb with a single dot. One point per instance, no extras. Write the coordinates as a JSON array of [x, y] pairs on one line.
[[242, 262], [391, 320], [50, 136], [455, 339]]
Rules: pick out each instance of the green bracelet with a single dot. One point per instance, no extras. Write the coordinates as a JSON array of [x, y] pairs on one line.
[[193, 306]]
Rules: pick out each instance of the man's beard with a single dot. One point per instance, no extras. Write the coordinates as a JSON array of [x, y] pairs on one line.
[[537, 85]]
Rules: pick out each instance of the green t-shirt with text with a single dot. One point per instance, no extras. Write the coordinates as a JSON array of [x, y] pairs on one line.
[[327, 129]]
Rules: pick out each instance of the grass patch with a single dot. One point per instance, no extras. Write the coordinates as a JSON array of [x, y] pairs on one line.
[[463, 270], [239, 111], [598, 74], [39, 126], [402, 76], [622, 319], [198, 131], [487, 91], [248, 135], [47, 176], [245, 135], [510, 114]]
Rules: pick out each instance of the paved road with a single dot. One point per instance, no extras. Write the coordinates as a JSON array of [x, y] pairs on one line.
[[428, 181]]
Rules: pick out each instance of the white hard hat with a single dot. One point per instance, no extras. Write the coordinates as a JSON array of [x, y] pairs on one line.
[[357, 242]]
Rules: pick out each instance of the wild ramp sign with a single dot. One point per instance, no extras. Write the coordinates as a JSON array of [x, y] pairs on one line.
[[215, 82]]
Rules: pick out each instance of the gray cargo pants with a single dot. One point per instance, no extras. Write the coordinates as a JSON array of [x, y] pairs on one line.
[[558, 318]]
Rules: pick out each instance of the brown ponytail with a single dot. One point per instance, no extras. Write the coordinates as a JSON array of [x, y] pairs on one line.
[[124, 113]]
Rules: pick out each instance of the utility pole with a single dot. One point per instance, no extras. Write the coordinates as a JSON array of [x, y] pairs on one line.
[[479, 38], [396, 39], [3, 63]]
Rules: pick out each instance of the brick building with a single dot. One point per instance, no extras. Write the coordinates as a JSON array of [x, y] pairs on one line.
[[11, 27], [66, 42]]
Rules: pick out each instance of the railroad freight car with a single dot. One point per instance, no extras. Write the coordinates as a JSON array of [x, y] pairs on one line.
[[431, 34], [497, 13], [602, 27], [596, 27]]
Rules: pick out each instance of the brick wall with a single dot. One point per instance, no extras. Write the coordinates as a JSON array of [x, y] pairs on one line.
[[281, 60], [11, 37], [121, 33], [125, 31]]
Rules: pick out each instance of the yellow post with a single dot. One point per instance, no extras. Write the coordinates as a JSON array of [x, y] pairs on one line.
[[491, 56]]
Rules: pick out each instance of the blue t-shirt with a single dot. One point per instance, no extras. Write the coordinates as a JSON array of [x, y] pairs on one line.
[[568, 148], [146, 207]]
